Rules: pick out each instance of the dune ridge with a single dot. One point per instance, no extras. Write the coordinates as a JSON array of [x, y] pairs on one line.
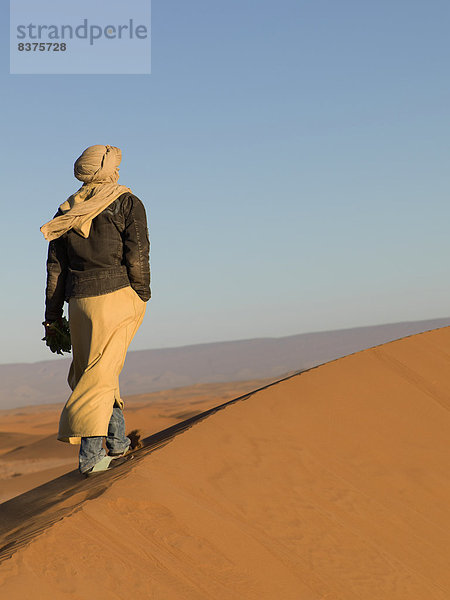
[[332, 484], [148, 371], [30, 454]]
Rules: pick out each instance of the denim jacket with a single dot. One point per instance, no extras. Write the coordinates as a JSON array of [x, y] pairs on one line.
[[115, 255]]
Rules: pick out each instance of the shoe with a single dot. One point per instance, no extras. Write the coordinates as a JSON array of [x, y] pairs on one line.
[[100, 467], [105, 464], [135, 443], [114, 455]]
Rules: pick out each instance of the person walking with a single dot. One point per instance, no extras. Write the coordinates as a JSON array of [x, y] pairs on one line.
[[98, 261]]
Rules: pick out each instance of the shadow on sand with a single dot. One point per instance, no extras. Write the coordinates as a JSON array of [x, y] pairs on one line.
[[22, 518]]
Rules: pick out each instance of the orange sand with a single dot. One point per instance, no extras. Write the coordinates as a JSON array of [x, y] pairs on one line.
[[30, 454], [331, 485]]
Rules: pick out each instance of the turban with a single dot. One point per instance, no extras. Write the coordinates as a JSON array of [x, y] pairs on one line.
[[98, 163], [98, 168]]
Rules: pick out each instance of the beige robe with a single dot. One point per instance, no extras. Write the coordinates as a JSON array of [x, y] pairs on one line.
[[102, 328]]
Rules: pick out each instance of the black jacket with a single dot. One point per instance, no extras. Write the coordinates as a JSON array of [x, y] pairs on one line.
[[115, 255]]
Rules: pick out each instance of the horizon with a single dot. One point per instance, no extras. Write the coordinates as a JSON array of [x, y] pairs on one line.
[[67, 356]]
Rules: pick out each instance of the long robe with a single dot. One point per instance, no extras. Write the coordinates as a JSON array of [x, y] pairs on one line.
[[102, 328]]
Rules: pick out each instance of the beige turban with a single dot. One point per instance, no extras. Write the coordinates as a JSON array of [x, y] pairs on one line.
[[98, 168]]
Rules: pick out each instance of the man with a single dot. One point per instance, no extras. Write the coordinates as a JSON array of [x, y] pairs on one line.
[[98, 261]]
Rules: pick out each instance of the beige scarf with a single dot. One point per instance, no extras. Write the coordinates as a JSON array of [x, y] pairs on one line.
[[98, 168]]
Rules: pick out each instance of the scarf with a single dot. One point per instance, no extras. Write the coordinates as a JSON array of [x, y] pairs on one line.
[[98, 168]]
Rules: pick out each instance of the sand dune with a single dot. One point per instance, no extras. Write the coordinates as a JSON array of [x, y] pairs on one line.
[[149, 371], [333, 484], [30, 454]]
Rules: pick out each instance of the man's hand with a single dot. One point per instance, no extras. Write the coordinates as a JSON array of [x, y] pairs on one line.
[[57, 335], [48, 330]]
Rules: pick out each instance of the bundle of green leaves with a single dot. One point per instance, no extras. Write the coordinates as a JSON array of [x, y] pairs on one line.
[[57, 336]]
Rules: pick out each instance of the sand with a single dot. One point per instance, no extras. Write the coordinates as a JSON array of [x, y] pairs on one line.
[[30, 454], [333, 484]]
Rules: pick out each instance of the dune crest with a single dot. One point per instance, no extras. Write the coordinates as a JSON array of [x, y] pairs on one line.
[[333, 484]]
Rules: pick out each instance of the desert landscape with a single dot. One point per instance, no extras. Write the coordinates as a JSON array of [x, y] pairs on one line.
[[148, 371], [30, 454], [331, 484], [234, 216]]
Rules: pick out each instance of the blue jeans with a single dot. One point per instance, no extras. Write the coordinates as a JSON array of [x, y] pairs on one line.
[[91, 449]]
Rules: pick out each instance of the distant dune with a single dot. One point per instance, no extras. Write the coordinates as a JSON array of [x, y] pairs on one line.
[[153, 370], [333, 484]]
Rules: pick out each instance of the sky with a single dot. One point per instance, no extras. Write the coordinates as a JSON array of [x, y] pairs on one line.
[[292, 158]]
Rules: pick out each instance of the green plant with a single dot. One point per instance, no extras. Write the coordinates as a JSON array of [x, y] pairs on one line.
[[57, 336]]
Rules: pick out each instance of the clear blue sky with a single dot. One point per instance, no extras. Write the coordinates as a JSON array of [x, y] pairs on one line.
[[293, 158]]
